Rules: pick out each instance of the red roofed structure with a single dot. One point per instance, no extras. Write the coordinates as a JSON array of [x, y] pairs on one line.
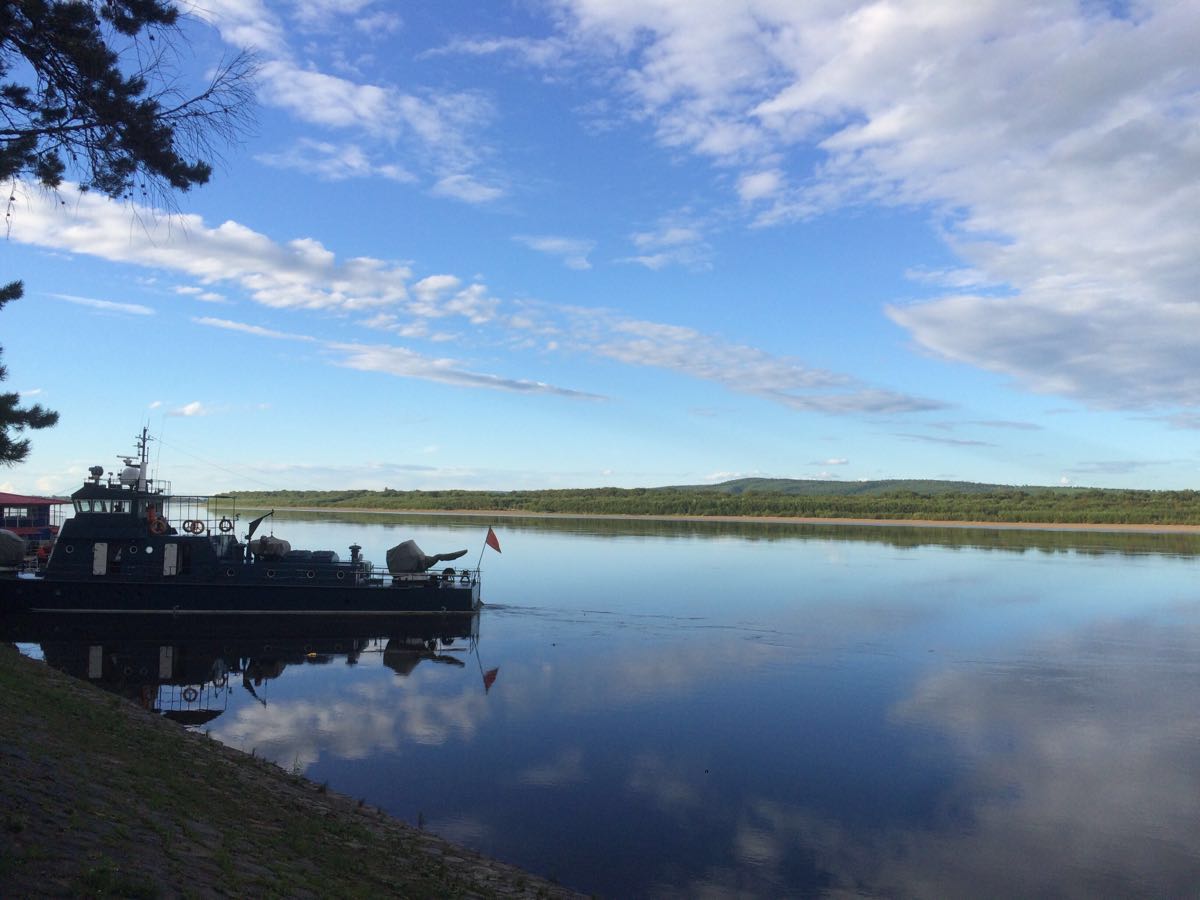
[[33, 518]]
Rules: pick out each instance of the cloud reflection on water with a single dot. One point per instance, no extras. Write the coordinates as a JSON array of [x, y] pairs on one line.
[[1076, 774]]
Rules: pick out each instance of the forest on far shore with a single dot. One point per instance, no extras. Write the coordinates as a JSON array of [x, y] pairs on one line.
[[946, 501]]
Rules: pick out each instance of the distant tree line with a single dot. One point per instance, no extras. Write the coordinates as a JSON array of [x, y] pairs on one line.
[[1064, 506]]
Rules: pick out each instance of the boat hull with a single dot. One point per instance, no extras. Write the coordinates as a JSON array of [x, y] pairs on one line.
[[116, 597]]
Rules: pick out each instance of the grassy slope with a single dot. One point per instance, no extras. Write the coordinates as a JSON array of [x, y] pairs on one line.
[[100, 798]]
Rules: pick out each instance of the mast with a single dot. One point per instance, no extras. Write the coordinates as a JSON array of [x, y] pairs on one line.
[[144, 455], [135, 478]]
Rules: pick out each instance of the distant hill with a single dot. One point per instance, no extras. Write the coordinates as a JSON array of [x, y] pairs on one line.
[[814, 488]]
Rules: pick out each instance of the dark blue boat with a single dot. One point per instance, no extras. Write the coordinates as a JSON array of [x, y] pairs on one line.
[[133, 547]]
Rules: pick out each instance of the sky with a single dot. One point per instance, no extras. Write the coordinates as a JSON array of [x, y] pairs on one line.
[[577, 243]]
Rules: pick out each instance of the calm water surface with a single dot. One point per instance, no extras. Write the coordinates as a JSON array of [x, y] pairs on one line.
[[766, 710]]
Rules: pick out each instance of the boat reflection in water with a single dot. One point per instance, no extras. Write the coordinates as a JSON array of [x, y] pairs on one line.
[[186, 669]]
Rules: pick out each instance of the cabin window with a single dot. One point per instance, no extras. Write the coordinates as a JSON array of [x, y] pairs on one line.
[[118, 506]]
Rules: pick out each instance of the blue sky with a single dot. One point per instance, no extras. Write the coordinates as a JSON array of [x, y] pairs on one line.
[[605, 242]]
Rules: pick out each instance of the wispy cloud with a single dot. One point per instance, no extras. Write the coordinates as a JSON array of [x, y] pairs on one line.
[[409, 364], [129, 309], [256, 330], [949, 442], [1056, 150], [541, 53], [200, 294], [740, 368], [466, 188], [302, 275], [1114, 466], [677, 241], [439, 131], [573, 252], [195, 408], [299, 274], [336, 162]]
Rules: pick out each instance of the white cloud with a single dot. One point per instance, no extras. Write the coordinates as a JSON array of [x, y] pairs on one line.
[[131, 309], [244, 23], [1059, 142], [739, 368], [438, 129], [763, 185], [676, 241], [573, 251], [195, 408], [200, 294], [541, 53], [255, 330], [407, 363], [466, 188], [335, 162], [301, 274]]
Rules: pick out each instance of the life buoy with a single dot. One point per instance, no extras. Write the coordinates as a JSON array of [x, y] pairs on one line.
[[464, 578], [190, 694], [225, 525], [158, 526]]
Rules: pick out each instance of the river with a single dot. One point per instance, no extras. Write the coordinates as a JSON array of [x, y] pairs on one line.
[[683, 709]]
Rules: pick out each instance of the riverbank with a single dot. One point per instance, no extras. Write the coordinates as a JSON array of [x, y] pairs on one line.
[[495, 515], [101, 798]]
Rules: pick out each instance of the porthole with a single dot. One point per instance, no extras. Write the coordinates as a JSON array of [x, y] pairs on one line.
[[341, 575], [270, 573], [311, 574], [149, 549], [229, 573], [133, 549], [70, 548]]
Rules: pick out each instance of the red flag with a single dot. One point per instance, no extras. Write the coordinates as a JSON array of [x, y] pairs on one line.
[[491, 540], [489, 678]]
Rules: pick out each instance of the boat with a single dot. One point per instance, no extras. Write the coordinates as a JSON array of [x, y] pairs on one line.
[[132, 547]]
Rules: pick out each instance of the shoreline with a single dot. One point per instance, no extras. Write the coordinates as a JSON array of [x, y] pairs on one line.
[[1090, 527], [144, 807]]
